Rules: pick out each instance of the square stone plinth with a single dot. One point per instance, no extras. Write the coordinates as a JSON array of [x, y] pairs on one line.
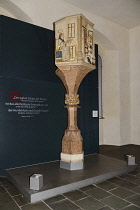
[[72, 166]]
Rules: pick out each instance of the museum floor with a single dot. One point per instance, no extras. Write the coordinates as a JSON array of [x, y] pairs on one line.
[[117, 193]]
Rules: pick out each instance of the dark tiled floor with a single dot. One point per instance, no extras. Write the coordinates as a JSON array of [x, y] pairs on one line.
[[106, 185], [98, 193], [115, 202], [20, 200], [117, 193], [75, 195], [119, 152], [89, 203]]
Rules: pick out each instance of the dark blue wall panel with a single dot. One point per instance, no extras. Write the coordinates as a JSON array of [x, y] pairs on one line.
[[27, 67]]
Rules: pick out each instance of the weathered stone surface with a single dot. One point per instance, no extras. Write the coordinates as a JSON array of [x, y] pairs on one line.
[[72, 142], [71, 76]]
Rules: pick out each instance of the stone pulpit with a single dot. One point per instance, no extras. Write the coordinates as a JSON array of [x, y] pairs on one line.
[[74, 57]]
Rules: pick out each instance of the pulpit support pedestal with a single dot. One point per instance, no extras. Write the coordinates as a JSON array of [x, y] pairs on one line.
[[72, 155]]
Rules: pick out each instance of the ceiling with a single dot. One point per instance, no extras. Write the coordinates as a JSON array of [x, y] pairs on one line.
[[123, 12]]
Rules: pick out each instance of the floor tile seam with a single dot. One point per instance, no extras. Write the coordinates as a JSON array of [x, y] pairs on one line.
[[28, 204], [135, 182], [7, 187], [72, 201], [122, 198], [83, 198], [127, 188], [131, 183], [118, 197], [135, 188], [132, 204], [94, 197], [85, 191], [115, 183], [46, 205], [109, 207], [40, 201], [134, 194], [132, 188], [90, 197], [3, 188], [110, 182], [102, 189], [17, 195], [130, 173], [54, 201], [99, 200], [138, 167], [118, 178], [130, 196], [107, 180], [113, 189], [110, 189], [137, 173], [132, 176], [125, 180], [113, 208], [2, 184], [81, 191], [105, 198], [12, 197], [105, 206], [126, 206], [130, 180], [78, 190], [135, 205]]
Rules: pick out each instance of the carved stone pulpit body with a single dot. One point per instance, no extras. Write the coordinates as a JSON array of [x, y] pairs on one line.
[[74, 57]]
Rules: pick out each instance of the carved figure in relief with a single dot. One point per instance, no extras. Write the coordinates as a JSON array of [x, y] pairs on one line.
[[89, 47], [61, 37], [66, 50]]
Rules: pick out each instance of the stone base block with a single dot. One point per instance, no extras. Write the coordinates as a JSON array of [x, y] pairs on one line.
[[72, 166], [130, 160], [72, 157], [36, 181]]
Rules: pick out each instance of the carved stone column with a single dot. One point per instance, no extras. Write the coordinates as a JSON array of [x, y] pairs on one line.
[[74, 59]]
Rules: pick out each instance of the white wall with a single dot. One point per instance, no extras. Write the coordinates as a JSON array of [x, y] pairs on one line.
[[6, 13], [8, 8], [111, 98], [135, 83], [113, 41]]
